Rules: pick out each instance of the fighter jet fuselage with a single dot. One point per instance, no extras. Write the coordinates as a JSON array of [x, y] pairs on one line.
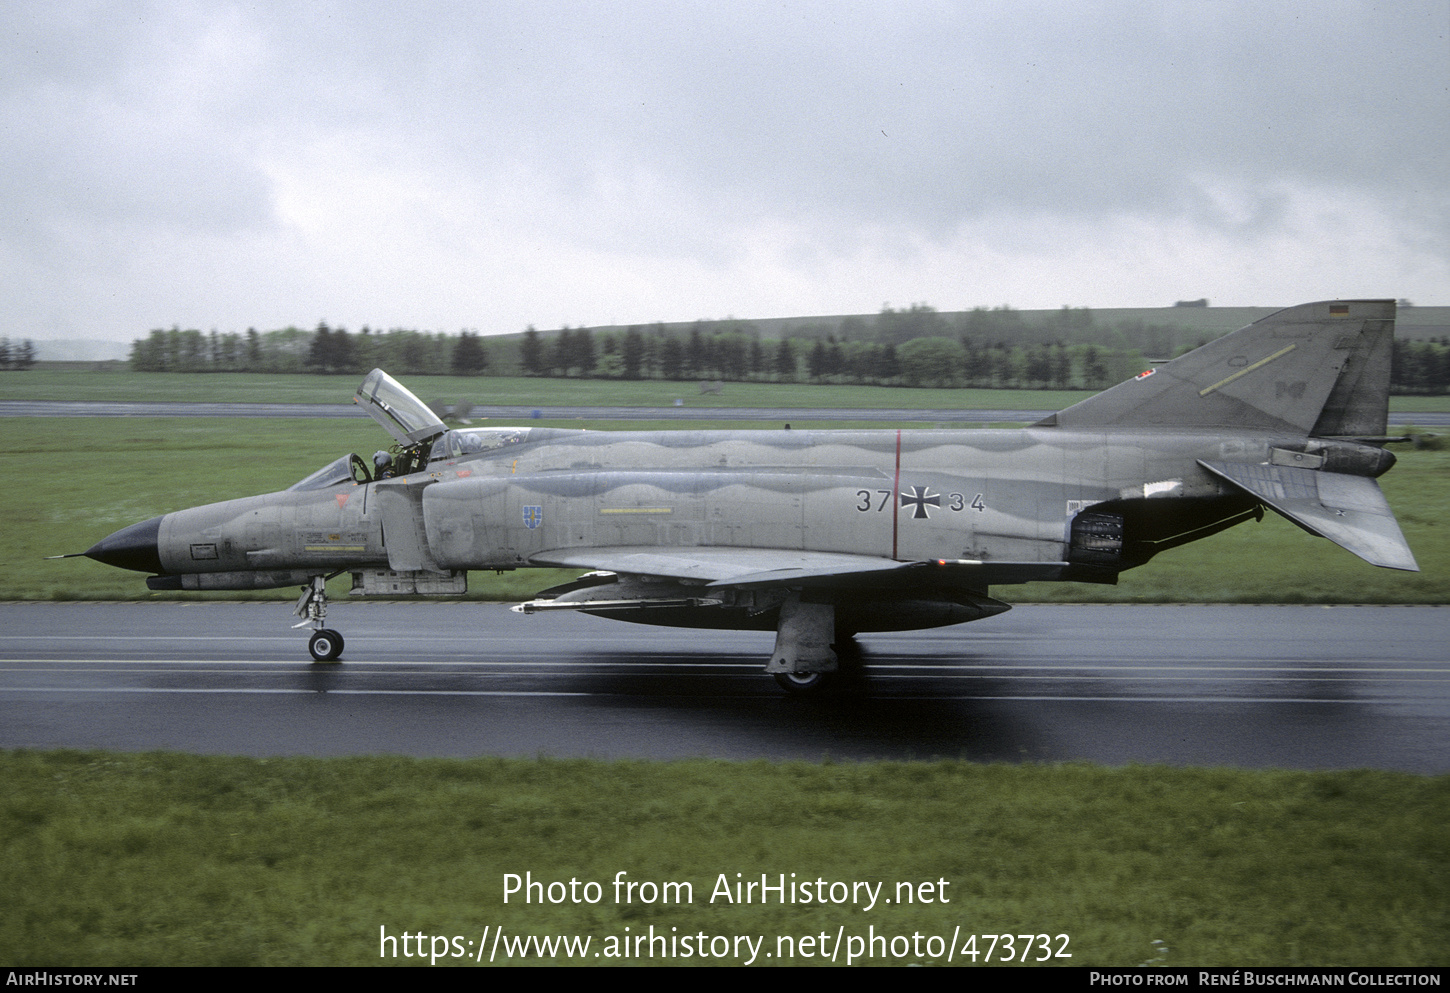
[[821, 534]]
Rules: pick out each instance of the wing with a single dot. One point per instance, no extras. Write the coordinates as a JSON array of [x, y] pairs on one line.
[[753, 568], [722, 566]]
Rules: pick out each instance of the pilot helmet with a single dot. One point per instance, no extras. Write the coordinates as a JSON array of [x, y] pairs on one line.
[[381, 460]]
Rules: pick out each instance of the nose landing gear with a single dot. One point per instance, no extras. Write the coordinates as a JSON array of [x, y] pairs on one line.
[[325, 644]]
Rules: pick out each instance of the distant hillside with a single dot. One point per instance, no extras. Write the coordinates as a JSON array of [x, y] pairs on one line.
[[1155, 330]]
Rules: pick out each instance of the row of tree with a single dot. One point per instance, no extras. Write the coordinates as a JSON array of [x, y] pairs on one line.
[[1421, 367], [640, 353], [733, 351], [322, 350], [15, 357]]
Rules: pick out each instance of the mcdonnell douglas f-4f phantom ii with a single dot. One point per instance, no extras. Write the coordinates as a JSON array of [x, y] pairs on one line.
[[819, 535]]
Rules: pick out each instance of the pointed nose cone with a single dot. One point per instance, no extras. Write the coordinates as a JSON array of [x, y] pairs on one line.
[[134, 547]]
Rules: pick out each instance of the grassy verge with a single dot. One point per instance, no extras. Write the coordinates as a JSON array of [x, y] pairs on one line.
[[60, 384], [72, 481], [165, 859]]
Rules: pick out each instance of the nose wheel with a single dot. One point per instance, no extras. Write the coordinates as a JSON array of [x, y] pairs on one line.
[[325, 643]]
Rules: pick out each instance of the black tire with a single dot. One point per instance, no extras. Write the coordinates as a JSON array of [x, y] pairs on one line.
[[803, 683], [325, 645]]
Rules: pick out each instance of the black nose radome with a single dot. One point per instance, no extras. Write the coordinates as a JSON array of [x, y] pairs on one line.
[[133, 547]]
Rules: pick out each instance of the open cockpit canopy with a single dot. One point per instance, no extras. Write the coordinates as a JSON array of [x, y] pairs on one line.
[[401, 414]]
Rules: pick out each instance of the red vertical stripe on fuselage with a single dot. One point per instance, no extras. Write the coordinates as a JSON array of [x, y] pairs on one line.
[[895, 494]]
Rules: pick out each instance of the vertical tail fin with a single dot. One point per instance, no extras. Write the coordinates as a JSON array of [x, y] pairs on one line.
[[1318, 369]]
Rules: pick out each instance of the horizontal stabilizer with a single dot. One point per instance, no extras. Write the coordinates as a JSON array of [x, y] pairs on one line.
[[1348, 510]]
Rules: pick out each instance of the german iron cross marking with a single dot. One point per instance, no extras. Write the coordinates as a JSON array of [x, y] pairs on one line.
[[921, 497]]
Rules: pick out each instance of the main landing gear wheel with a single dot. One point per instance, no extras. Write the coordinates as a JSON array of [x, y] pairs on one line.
[[803, 683], [325, 645]]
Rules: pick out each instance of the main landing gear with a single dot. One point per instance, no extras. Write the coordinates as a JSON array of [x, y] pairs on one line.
[[847, 678], [813, 651], [325, 643], [803, 683]]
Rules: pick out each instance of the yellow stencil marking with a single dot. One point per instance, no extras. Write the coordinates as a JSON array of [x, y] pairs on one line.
[[1246, 370]]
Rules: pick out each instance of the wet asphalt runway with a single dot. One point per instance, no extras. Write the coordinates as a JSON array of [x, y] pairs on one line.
[[1296, 687]]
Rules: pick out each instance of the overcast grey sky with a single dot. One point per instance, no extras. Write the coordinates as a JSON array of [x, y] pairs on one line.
[[491, 165]]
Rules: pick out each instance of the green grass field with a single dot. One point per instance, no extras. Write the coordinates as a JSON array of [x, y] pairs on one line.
[[78, 385], [159, 859]]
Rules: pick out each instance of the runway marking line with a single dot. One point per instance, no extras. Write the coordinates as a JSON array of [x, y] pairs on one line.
[[717, 696], [1282, 671]]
